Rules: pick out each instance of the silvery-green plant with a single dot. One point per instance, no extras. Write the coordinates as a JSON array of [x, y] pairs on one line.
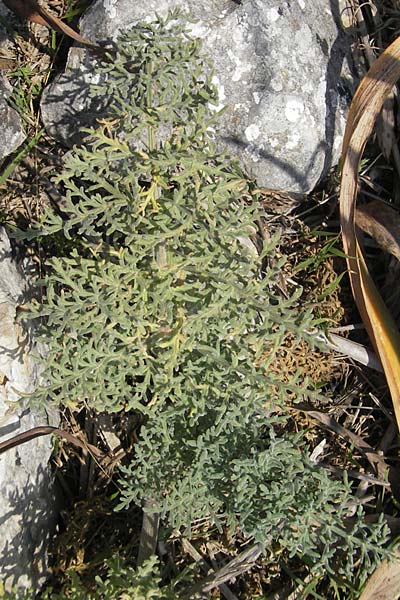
[[162, 301]]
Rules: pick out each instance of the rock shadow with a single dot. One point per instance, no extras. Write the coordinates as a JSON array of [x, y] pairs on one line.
[[67, 106], [27, 526]]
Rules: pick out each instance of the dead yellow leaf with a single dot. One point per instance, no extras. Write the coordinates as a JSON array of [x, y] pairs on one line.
[[367, 103]]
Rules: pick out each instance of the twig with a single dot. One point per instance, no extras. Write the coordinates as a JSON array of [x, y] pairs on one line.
[[149, 533], [35, 432], [363, 33]]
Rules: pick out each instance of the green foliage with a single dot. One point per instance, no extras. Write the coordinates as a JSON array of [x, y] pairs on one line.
[[160, 304], [21, 154], [120, 582], [162, 284], [27, 88]]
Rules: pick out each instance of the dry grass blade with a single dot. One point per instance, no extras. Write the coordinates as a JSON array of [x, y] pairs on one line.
[[376, 460], [238, 565], [191, 550], [365, 108]]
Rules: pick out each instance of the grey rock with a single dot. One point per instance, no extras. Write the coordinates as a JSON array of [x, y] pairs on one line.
[[27, 500], [12, 134], [280, 68]]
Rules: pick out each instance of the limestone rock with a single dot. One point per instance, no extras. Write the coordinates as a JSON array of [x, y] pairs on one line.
[[280, 68], [27, 504], [12, 134]]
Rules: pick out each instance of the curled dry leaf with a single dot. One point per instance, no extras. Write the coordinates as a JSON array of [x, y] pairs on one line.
[[367, 103], [382, 223], [384, 583]]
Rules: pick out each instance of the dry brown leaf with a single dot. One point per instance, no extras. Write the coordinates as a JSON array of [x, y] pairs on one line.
[[367, 103], [32, 11], [382, 223], [385, 127], [384, 583]]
